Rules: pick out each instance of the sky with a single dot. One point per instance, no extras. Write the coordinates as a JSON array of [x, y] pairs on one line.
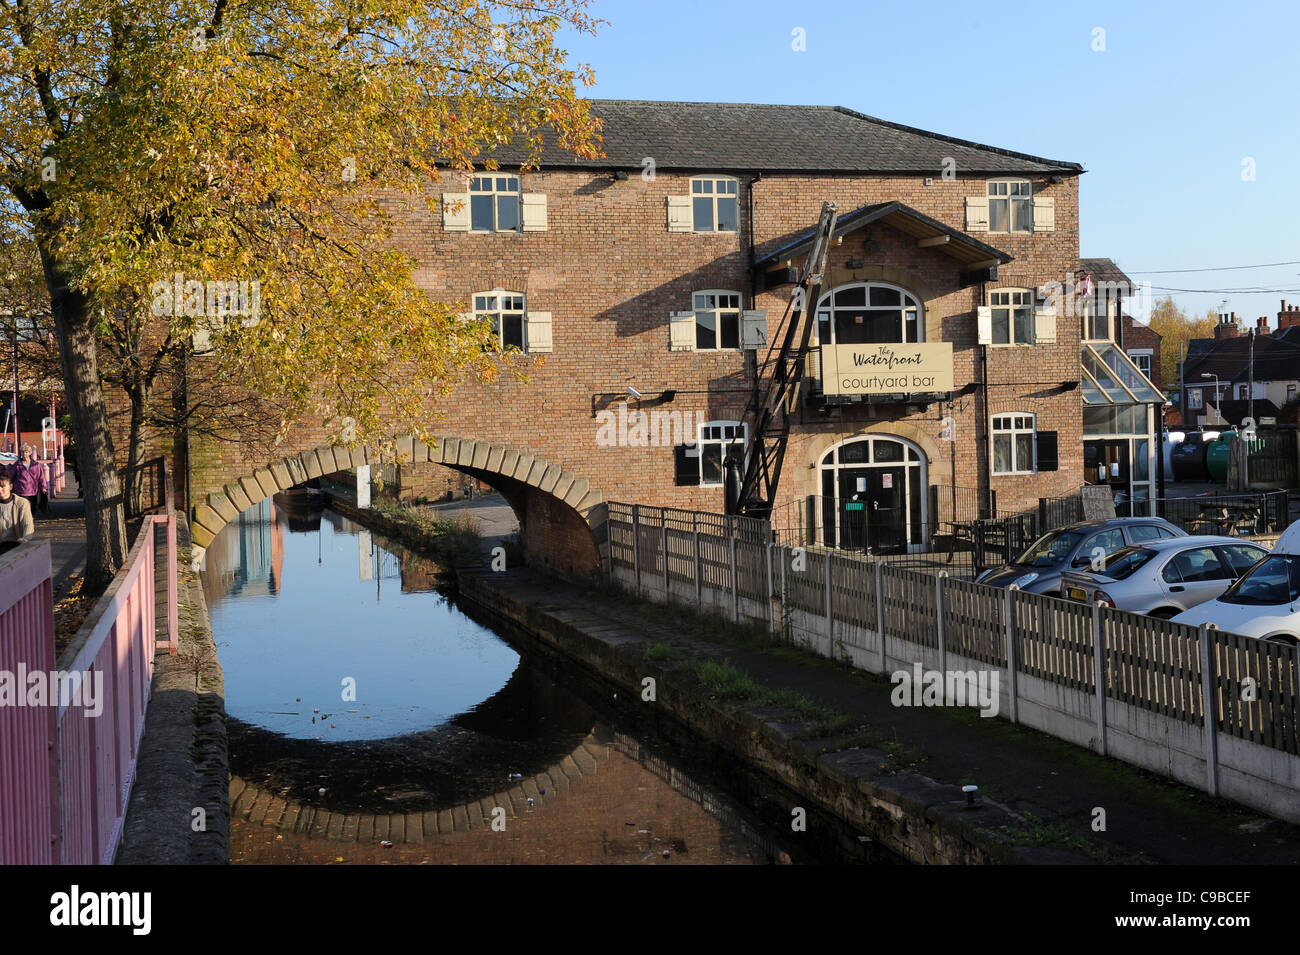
[[1183, 114]]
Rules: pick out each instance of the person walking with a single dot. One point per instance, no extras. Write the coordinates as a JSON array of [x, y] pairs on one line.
[[16, 524], [30, 480]]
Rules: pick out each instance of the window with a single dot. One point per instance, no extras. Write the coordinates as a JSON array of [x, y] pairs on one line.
[[1290, 392], [715, 205], [1108, 541], [1142, 358], [717, 320], [1195, 400], [1013, 444], [1194, 565], [1241, 392], [1242, 557], [1096, 317], [1148, 532], [506, 312], [494, 203], [720, 441], [1010, 207], [1013, 317], [867, 314]]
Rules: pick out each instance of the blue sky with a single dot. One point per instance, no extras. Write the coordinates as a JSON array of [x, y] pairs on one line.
[[1163, 118]]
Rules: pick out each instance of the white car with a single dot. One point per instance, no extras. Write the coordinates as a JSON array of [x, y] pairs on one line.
[[1265, 602], [1164, 577]]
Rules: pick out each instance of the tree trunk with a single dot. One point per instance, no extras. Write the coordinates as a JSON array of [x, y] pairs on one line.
[[106, 545], [134, 489]]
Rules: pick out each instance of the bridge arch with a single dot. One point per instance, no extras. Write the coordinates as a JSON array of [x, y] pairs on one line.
[[559, 512]]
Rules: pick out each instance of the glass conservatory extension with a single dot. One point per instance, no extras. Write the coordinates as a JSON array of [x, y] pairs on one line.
[[1119, 424]]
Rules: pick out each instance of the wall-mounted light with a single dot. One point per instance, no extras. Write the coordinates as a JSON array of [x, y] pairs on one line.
[[620, 175], [855, 264]]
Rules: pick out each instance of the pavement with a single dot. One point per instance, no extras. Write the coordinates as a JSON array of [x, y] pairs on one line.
[[495, 518], [65, 528], [1056, 785]]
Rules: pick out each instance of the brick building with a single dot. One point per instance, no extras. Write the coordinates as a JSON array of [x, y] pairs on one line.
[[665, 269], [1236, 374]]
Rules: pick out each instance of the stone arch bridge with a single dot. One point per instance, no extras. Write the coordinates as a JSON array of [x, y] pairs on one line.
[[560, 514]]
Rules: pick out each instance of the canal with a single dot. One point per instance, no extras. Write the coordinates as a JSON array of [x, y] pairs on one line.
[[372, 720]]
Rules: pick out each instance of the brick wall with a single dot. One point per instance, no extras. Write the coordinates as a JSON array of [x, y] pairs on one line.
[[610, 273]]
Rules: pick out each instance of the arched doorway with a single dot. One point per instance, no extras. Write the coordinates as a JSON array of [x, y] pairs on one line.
[[873, 495]]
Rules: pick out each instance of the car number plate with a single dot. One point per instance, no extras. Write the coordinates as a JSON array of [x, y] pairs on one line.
[[1077, 594]]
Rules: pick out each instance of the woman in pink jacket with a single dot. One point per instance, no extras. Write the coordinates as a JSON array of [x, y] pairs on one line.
[[29, 476]]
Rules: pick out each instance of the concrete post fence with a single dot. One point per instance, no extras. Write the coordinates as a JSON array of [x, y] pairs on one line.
[[1138, 689]]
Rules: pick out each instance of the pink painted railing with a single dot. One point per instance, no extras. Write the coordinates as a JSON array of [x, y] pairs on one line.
[[29, 821], [65, 773]]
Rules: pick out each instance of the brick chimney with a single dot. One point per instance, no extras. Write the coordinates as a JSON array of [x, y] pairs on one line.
[[1227, 327], [1288, 316], [1261, 325]]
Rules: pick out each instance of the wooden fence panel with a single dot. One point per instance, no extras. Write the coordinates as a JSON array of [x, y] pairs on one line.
[[973, 624], [1054, 640]]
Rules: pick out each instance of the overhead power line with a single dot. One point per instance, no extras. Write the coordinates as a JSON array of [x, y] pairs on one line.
[[1222, 268]]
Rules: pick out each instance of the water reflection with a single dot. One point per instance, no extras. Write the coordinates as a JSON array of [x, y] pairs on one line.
[[307, 652], [449, 722]]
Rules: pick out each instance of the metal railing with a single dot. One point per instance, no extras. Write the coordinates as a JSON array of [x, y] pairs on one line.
[[67, 765], [1070, 669]]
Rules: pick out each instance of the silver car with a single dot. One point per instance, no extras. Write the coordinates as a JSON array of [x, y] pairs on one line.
[[1163, 578]]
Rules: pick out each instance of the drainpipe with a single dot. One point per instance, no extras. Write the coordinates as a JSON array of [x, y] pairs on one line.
[[753, 278], [986, 471]]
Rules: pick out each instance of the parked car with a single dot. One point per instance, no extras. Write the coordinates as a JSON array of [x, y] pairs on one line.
[[1038, 569], [1265, 602], [1164, 577]]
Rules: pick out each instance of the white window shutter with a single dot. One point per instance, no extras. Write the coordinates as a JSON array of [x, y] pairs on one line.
[[534, 211], [203, 336], [681, 331], [1044, 214], [455, 219], [977, 213], [680, 217], [984, 324], [539, 332], [1045, 326], [753, 329]]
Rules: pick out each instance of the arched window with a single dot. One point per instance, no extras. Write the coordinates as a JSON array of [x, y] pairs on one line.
[[868, 313], [1013, 443]]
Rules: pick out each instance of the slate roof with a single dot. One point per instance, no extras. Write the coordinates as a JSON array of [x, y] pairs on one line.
[[1276, 359], [1236, 410], [960, 245], [748, 137], [1105, 270]]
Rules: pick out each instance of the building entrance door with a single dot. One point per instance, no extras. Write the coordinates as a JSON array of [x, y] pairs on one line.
[[871, 497]]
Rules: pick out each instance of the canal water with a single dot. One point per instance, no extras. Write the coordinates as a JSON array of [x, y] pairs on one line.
[[372, 720]]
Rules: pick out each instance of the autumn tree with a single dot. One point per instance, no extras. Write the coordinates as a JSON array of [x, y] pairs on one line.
[[152, 150], [1176, 330]]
